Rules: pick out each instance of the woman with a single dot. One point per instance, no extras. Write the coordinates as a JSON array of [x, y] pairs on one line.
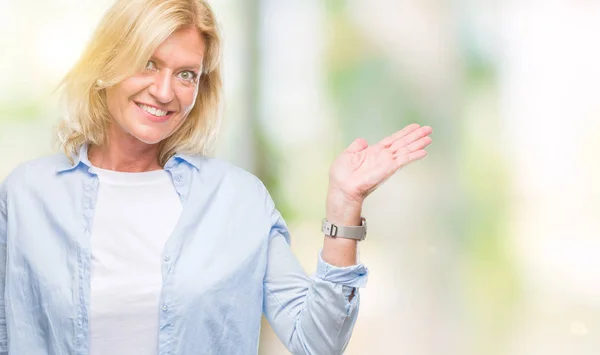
[[133, 241]]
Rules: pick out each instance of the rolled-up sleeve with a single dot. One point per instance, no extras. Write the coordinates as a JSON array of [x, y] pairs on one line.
[[350, 277], [3, 232], [310, 315]]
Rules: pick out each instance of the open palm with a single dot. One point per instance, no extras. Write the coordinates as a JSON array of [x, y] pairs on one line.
[[361, 168]]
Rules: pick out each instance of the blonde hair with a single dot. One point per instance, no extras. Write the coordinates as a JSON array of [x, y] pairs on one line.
[[125, 39]]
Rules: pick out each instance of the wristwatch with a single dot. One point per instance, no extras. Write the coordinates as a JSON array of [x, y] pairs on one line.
[[351, 232]]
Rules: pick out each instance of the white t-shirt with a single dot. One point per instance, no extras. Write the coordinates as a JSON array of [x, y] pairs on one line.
[[135, 215]]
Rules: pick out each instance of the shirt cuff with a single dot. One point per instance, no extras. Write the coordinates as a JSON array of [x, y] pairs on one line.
[[353, 276]]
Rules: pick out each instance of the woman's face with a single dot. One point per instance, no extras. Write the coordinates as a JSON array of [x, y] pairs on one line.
[[151, 105]]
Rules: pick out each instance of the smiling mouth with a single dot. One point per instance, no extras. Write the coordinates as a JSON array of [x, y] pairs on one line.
[[154, 111]]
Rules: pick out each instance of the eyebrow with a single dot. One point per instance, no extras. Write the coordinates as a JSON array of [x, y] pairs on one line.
[[197, 67]]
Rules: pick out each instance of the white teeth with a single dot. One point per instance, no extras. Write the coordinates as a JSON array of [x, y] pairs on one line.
[[153, 111]]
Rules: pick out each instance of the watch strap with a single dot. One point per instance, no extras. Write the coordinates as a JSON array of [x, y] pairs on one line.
[[350, 232]]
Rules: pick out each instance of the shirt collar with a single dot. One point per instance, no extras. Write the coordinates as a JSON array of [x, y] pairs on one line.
[[82, 158], [193, 160]]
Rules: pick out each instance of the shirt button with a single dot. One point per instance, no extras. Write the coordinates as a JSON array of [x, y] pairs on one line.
[[165, 308], [167, 258], [178, 178]]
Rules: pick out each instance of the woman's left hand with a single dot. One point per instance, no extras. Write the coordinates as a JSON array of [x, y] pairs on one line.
[[361, 168]]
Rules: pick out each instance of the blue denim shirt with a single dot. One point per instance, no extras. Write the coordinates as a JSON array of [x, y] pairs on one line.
[[227, 262]]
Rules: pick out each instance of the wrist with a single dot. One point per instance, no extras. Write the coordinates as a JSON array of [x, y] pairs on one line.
[[342, 210]]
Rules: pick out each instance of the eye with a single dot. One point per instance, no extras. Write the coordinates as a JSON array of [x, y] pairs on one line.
[[188, 76], [150, 66]]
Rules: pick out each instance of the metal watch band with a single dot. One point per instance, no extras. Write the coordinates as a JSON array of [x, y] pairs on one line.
[[350, 232]]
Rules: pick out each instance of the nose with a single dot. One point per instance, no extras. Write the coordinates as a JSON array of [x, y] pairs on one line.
[[162, 87]]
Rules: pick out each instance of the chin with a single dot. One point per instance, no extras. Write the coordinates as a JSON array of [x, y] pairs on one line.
[[149, 141], [149, 137]]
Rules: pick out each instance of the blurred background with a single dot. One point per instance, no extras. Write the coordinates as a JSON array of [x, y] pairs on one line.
[[490, 245]]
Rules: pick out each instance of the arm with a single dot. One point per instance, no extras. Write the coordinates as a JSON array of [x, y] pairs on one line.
[[317, 315], [310, 315], [3, 232], [357, 172]]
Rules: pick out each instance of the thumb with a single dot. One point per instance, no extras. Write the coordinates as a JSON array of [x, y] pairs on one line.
[[358, 145]]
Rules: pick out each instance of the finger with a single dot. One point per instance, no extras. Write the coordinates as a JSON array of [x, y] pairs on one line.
[[412, 147], [402, 160], [387, 141], [410, 138], [358, 145]]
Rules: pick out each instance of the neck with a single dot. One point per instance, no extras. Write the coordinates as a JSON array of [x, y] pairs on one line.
[[126, 155]]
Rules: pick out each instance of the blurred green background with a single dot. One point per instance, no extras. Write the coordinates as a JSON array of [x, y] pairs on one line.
[[491, 245]]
